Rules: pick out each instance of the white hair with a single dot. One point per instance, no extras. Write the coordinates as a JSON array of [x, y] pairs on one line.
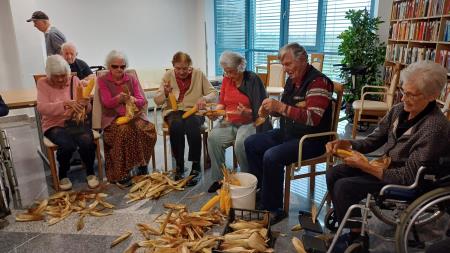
[[296, 49], [68, 45], [233, 60], [56, 65], [429, 77], [114, 54]]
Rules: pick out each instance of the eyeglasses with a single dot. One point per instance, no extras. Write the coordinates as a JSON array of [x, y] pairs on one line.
[[118, 66], [409, 95], [230, 72], [184, 69]]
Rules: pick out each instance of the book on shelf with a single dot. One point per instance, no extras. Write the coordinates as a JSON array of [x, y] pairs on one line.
[[418, 8]]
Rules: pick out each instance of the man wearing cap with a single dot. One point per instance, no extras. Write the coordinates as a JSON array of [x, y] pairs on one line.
[[53, 37], [69, 52]]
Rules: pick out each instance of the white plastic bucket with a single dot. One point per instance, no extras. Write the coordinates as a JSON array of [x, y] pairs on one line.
[[247, 201], [244, 196]]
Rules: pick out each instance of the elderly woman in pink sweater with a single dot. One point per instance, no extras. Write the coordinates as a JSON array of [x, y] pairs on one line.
[[57, 102], [127, 146]]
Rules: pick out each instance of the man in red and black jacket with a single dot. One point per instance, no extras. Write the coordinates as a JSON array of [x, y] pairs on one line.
[[305, 108]]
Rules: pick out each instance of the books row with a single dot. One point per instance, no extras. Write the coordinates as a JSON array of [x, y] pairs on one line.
[[418, 8], [447, 31], [407, 55], [444, 59], [405, 30]]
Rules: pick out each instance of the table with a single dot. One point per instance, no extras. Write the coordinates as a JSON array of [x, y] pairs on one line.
[[22, 98]]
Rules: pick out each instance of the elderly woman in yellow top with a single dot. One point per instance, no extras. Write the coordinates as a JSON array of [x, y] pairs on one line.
[[190, 88], [57, 102], [127, 145]]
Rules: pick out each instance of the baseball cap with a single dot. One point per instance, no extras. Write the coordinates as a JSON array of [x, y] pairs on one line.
[[38, 15]]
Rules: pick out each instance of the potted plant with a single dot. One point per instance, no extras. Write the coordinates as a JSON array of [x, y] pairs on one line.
[[363, 54]]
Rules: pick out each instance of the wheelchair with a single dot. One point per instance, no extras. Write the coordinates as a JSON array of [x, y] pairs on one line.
[[408, 208], [7, 177]]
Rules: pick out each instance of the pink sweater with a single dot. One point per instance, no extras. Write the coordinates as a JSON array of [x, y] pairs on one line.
[[50, 102], [109, 96]]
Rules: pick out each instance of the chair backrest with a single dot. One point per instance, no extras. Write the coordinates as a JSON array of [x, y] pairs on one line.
[[339, 91], [276, 77], [393, 86], [97, 105], [317, 61]]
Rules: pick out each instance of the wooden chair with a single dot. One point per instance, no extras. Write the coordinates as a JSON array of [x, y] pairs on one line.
[[276, 77], [324, 158], [317, 61], [365, 107], [97, 107], [51, 149]]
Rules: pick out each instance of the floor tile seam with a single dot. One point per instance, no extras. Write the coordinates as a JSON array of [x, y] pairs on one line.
[[27, 241]]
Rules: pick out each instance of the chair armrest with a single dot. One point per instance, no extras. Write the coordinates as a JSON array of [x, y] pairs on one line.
[[404, 187], [308, 136], [374, 87]]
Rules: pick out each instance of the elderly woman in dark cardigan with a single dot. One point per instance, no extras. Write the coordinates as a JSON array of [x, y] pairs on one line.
[[414, 131], [241, 95]]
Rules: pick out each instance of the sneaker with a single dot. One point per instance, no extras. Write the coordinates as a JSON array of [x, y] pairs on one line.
[[215, 186], [65, 184], [92, 181], [277, 216]]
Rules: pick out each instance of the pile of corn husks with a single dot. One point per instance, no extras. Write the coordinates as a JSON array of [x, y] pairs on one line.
[[153, 186], [60, 205], [179, 231]]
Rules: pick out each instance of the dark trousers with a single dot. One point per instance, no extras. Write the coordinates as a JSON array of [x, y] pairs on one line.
[[267, 154], [348, 186], [67, 144], [190, 127]]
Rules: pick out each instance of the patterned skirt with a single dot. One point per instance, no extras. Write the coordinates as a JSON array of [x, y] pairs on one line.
[[127, 146]]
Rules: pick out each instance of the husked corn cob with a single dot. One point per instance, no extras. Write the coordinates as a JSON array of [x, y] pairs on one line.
[[212, 202], [190, 112], [88, 89], [344, 153], [172, 101]]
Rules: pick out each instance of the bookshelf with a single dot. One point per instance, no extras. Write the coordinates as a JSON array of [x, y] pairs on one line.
[[418, 30]]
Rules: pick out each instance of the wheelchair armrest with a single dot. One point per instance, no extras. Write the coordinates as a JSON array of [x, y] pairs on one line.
[[308, 136], [404, 187]]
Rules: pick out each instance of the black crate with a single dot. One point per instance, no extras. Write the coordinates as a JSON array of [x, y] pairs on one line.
[[247, 215]]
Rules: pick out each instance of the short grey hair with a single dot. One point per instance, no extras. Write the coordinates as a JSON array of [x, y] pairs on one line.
[[68, 45], [233, 60], [114, 54], [296, 49], [429, 77], [56, 65]]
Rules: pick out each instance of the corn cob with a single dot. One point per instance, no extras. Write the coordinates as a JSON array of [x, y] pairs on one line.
[[190, 112], [88, 89], [213, 201], [172, 102], [344, 153]]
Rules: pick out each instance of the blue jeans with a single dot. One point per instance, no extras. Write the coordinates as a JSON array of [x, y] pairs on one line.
[[267, 154], [67, 144]]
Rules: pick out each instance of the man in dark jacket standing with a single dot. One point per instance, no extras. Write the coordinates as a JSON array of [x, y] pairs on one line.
[[305, 108], [53, 37]]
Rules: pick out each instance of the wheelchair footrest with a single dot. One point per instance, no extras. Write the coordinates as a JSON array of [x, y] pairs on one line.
[[305, 220], [313, 244]]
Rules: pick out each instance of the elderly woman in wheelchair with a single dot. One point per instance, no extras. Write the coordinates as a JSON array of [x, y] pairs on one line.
[[413, 131]]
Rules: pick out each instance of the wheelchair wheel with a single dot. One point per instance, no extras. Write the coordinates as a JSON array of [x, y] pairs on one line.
[[387, 216], [331, 221], [433, 200]]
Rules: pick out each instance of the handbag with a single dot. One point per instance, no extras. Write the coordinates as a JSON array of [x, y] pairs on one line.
[[72, 126]]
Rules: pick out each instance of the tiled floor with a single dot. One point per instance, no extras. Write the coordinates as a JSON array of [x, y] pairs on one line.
[[99, 232]]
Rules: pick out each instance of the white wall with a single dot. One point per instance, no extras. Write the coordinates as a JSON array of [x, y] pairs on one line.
[[148, 31], [383, 10]]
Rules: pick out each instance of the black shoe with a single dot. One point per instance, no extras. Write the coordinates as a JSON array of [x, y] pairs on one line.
[[126, 182], [277, 216], [179, 173], [215, 186], [197, 176], [142, 170]]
